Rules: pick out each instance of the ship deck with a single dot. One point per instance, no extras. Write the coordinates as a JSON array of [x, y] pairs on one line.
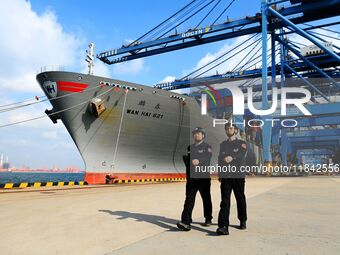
[[292, 215]]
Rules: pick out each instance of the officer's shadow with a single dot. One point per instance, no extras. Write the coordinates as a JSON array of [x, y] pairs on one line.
[[161, 221]]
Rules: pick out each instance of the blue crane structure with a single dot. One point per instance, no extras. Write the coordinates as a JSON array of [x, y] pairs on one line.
[[271, 45]]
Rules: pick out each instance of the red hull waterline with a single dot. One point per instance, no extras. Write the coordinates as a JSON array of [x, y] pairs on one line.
[[101, 178]]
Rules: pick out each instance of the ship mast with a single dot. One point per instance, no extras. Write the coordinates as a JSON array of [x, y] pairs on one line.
[[90, 58]]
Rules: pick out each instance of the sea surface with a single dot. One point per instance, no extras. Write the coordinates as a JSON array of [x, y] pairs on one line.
[[30, 177]]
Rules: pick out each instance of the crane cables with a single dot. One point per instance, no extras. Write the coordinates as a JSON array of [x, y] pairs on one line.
[[184, 14], [253, 79], [206, 16], [221, 57], [154, 32], [250, 60], [322, 28], [228, 6], [180, 23], [317, 35]]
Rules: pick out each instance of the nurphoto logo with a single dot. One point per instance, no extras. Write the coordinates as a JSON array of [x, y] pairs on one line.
[[239, 105]]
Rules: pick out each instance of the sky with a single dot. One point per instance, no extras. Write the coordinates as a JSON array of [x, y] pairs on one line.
[[38, 33]]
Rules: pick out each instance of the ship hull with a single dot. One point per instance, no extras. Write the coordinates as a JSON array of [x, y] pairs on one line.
[[142, 133]]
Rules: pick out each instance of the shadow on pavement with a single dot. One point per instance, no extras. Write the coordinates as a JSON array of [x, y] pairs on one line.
[[161, 221]]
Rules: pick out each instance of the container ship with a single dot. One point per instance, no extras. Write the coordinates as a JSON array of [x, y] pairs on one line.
[[125, 130]]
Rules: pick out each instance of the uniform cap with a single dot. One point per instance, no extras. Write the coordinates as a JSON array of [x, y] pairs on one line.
[[198, 129], [227, 125]]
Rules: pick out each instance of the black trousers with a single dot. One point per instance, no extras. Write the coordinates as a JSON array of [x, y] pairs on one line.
[[192, 186], [237, 186]]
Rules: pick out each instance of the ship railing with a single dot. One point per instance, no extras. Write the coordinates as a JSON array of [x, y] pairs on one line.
[[51, 68]]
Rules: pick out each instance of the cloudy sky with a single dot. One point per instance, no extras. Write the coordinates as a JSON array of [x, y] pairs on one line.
[[38, 33]]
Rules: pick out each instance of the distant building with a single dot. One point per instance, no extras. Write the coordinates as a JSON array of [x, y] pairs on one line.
[[6, 165]]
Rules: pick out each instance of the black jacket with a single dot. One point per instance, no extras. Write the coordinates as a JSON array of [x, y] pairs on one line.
[[237, 149], [202, 152]]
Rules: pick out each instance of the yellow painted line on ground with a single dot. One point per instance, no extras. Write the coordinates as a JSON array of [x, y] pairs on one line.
[[36, 184], [146, 180], [70, 183], [81, 183], [60, 184], [8, 186], [23, 185], [49, 184]]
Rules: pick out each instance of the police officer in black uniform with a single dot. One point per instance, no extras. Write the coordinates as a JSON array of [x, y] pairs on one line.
[[198, 157], [232, 155]]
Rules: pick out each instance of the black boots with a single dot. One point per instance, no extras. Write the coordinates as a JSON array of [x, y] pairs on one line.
[[243, 225], [207, 223], [222, 231], [183, 226]]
